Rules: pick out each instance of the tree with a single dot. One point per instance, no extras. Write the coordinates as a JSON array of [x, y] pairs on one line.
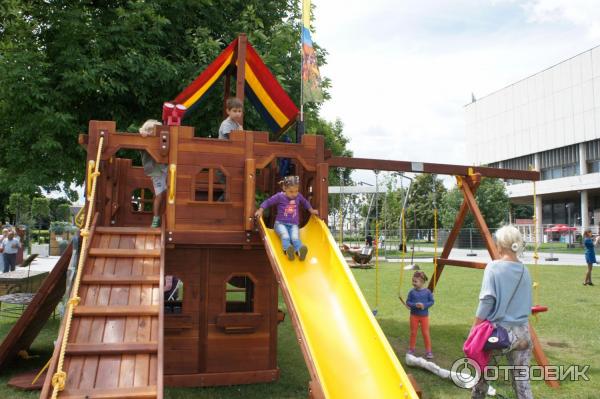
[[63, 213], [40, 209], [19, 206], [60, 208], [520, 211], [65, 63], [492, 200], [426, 193]]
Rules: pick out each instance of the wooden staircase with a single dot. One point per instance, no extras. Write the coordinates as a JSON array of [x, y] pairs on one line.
[[115, 344]]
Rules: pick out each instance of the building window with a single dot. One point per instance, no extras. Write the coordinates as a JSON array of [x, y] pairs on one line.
[[560, 171], [559, 157], [239, 295], [594, 167], [142, 200], [210, 185]]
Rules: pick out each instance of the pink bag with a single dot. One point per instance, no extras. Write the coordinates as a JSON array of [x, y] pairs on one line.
[[474, 344]]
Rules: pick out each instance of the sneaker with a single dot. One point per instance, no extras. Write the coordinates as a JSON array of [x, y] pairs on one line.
[[411, 352], [290, 252], [155, 222], [302, 252], [429, 355]]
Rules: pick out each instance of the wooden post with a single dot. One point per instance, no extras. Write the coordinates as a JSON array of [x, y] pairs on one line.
[[249, 182], [249, 191], [460, 219], [99, 129], [241, 69], [227, 91], [472, 203], [321, 190], [170, 208], [540, 357]]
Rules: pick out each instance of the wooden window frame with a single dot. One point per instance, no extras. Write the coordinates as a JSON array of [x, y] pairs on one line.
[[211, 185]]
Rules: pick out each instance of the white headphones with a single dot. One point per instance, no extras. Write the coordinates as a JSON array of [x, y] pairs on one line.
[[514, 247]]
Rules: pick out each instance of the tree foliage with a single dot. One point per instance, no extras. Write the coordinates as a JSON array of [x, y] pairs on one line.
[[64, 63], [19, 206], [40, 209], [491, 197], [426, 193], [62, 213]]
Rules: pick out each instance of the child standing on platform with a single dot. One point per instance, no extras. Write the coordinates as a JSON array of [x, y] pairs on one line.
[[287, 220], [234, 109], [419, 300], [157, 172]]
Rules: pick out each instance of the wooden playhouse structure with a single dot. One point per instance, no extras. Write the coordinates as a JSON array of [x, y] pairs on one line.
[[215, 321]]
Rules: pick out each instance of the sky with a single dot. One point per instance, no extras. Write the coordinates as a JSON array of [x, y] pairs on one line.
[[402, 71]]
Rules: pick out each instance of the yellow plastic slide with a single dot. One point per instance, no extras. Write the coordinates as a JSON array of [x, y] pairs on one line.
[[350, 355]]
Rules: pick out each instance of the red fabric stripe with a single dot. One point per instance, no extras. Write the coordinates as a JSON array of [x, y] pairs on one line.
[[206, 74], [270, 83]]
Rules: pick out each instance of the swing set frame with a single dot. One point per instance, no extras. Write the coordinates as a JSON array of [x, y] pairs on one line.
[[468, 179]]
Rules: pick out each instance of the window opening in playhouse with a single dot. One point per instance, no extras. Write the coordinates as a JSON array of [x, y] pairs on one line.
[[142, 200], [210, 185], [239, 295], [173, 292]]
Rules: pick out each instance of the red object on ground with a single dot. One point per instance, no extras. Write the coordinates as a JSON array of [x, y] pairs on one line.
[[539, 309]]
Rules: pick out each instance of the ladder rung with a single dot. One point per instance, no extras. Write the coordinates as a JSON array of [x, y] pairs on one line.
[[124, 253], [128, 230], [110, 348], [116, 310], [125, 280], [114, 393]]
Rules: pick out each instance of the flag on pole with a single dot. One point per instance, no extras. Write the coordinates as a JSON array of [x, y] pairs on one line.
[[311, 77]]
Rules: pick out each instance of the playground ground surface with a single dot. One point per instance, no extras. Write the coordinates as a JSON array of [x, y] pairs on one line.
[[569, 333]]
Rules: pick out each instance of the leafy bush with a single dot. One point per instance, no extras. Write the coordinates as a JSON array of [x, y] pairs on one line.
[[60, 228]]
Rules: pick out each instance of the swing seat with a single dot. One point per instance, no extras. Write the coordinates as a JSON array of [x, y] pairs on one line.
[[538, 309], [360, 256]]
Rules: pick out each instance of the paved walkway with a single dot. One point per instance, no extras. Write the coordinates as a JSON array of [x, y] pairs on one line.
[[483, 256]]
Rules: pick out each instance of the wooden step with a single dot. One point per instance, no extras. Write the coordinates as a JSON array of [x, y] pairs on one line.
[[114, 310], [125, 280], [109, 348], [113, 393], [124, 253], [128, 230]]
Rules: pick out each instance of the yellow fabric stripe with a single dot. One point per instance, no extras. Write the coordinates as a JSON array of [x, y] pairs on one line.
[[306, 13], [264, 97], [196, 96]]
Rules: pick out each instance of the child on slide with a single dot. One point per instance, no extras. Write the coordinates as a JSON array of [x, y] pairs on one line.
[[419, 300], [286, 222]]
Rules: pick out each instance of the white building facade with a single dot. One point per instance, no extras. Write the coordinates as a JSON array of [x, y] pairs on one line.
[[550, 122]]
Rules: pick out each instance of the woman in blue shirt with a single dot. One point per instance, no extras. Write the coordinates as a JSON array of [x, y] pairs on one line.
[[505, 299], [590, 256]]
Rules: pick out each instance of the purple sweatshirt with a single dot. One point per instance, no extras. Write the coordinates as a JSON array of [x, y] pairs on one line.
[[287, 209], [423, 296]]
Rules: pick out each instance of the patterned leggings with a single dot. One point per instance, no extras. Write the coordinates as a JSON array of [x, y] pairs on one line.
[[515, 358]]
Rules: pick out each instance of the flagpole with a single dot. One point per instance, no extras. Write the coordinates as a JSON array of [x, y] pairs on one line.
[[300, 124], [301, 61]]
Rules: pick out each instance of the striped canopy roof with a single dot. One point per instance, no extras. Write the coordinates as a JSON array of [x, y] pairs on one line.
[[261, 88]]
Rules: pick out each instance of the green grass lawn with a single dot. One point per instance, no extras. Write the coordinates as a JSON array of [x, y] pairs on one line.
[[569, 332]]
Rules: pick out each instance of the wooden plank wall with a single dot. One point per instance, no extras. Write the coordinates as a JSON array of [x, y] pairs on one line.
[[199, 352], [191, 221]]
